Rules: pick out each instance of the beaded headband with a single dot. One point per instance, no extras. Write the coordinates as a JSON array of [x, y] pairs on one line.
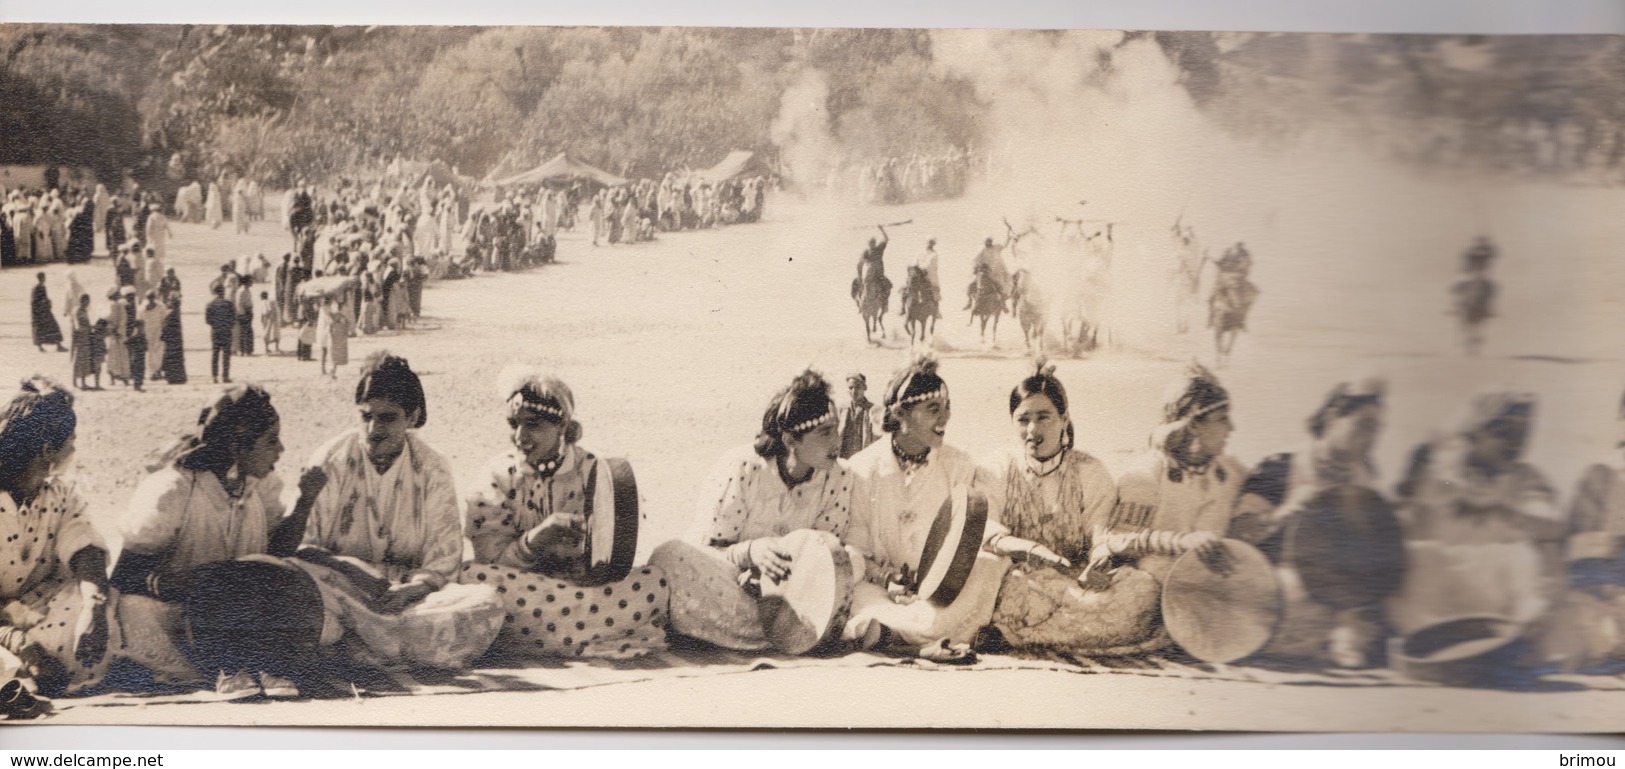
[[828, 415]]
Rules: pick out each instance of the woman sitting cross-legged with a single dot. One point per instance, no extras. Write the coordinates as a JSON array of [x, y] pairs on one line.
[[542, 535], [786, 492]]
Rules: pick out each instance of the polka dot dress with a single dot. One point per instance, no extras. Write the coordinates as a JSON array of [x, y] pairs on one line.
[[38, 593], [547, 617], [707, 601]]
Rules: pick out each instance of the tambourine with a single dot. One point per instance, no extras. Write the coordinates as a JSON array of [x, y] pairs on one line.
[[1222, 618], [951, 546], [800, 612], [1348, 547], [1465, 651], [611, 501]]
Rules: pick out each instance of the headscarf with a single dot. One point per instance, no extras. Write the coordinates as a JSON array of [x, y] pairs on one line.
[[1345, 399], [40, 418], [1491, 406], [235, 419], [1195, 394], [390, 377]]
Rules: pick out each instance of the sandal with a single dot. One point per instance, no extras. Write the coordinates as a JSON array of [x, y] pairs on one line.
[[18, 703], [944, 653]]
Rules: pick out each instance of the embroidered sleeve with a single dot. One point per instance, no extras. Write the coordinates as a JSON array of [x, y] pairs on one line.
[[443, 539]]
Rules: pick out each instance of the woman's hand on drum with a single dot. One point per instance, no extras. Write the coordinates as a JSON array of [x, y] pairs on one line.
[[403, 595], [900, 587], [90, 634], [769, 557], [1211, 550], [557, 538], [311, 482]]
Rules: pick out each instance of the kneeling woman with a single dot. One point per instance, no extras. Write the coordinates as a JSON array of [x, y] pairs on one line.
[[790, 482], [530, 525]]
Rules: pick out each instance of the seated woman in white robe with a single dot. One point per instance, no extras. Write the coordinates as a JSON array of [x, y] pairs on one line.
[[389, 509], [1482, 528], [528, 527], [53, 564], [212, 498], [790, 480], [1180, 494], [899, 486]]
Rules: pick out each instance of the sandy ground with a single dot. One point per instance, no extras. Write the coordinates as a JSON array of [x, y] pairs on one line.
[[674, 347]]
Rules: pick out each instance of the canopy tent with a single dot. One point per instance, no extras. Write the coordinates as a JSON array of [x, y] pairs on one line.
[[737, 163], [413, 172], [561, 168]]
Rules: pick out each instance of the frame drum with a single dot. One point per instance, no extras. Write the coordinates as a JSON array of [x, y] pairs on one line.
[[951, 546], [612, 520], [1348, 547], [800, 612], [1222, 618]]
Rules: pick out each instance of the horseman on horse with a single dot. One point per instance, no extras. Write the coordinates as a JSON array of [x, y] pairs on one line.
[[871, 289]]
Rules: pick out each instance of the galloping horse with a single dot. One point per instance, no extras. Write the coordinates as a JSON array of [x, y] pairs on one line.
[[986, 301], [919, 306], [1029, 309], [872, 293]]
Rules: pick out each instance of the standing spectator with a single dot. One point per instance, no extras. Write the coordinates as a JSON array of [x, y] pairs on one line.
[[174, 343], [221, 315], [46, 329], [244, 304]]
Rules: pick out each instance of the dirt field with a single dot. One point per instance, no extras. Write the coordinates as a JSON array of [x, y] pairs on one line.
[[674, 347]]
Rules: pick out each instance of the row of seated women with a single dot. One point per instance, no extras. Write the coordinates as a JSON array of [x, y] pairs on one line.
[[375, 568]]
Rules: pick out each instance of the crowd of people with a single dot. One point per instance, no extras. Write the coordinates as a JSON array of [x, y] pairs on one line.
[[913, 178], [217, 585]]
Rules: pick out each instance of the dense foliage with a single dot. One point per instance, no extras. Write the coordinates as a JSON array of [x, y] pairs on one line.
[[287, 102]]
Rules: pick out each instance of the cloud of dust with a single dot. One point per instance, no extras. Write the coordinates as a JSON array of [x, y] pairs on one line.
[[1096, 128], [802, 132]]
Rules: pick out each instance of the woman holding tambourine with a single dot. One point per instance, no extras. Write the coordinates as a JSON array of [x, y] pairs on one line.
[[555, 530], [771, 572], [922, 518]]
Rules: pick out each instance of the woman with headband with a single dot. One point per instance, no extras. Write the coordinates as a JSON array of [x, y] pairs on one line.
[[53, 593], [212, 497], [1482, 527], [790, 480], [1322, 505], [900, 485], [1056, 494], [528, 529], [1179, 495]]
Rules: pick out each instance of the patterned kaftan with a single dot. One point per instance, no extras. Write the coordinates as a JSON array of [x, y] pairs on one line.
[[748, 500], [556, 615]]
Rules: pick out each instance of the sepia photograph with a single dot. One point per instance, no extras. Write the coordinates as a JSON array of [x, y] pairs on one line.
[[817, 378]]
